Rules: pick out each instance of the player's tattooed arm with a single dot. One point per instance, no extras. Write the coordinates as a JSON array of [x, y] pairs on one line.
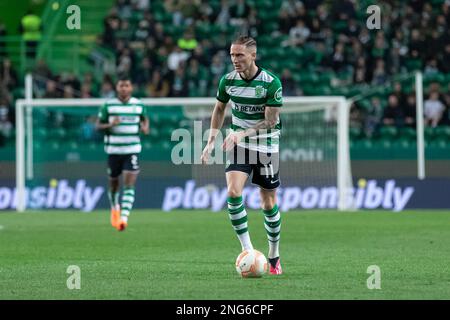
[[269, 122]]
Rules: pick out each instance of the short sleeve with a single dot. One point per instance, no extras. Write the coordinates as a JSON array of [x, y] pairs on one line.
[[222, 94], [103, 114], [274, 94]]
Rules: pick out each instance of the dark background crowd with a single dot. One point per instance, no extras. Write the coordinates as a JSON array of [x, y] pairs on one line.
[[180, 49]]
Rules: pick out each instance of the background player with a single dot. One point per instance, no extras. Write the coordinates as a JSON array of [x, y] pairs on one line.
[[122, 119], [252, 145]]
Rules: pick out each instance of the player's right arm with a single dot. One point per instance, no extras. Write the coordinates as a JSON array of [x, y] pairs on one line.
[[216, 124], [102, 122], [217, 118]]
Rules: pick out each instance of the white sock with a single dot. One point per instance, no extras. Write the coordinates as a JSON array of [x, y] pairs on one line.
[[274, 249], [246, 243]]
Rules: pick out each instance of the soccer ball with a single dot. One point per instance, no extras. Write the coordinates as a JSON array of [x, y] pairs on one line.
[[251, 264]]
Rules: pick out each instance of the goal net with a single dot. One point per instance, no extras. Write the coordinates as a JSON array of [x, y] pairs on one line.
[[61, 161]]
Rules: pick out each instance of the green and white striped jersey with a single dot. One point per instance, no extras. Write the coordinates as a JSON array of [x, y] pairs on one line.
[[248, 101], [123, 138]]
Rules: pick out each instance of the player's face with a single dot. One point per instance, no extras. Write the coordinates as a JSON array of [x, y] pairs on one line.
[[124, 89], [242, 57]]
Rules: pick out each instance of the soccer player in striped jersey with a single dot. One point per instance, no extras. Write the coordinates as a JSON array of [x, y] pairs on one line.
[[252, 145], [122, 119]]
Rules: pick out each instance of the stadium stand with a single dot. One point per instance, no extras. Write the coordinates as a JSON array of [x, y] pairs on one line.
[[179, 48]]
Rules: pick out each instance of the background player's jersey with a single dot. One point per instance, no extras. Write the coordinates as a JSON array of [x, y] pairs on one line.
[[248, 101], [123, 138]]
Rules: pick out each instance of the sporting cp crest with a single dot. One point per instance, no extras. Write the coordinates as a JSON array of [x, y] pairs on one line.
[[259, 91]]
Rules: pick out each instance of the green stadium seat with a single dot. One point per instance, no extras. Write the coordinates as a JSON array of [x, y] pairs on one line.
[[407, 133], [439, 143], [355, 133], [443, 132], [388, 132], [403, 143], [430, 133]]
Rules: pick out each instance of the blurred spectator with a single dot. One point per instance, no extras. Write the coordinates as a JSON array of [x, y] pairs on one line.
[[379, 74], [179, 87], [217, 66], [144, 75], [5, 122], [298, 34], [188, 41], [3, 33], [374, 115], [8, 76], [124, 9], [107, 89], [431, 67], [111, 25], [223, 18], [290, 88], [393, 113], [177, 57], [68, 92], [433, 109], [143, 31], [398, 92], [86, 91], [31, 28], [41, 74], [142, 5], [356, 116], [239, 12], [344, 10], [444, 59], [158, 87], [70, 79], [51, 90], [409, 110], [197, 79], [338, 59]]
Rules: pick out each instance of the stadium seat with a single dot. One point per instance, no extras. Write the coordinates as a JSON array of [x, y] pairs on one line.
[[408, 133], [443, 132], [388, 132]]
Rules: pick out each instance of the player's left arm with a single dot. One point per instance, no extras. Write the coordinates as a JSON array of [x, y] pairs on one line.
[[145, 125], [144, 122]]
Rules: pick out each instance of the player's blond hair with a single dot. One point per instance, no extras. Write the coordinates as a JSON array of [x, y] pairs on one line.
[[246, 41]]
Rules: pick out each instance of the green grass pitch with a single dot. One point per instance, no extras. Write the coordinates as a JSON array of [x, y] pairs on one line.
[[191, 254]]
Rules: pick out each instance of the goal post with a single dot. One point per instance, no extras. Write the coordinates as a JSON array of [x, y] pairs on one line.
[[315, 126]]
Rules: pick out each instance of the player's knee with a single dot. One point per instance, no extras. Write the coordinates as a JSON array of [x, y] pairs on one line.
[[234, 192], [267, 203]]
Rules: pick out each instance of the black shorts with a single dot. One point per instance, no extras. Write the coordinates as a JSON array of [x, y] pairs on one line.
[[120, 162], [265, 167]]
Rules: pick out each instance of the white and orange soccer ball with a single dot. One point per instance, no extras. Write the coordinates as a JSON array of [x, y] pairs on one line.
[[251, 264]]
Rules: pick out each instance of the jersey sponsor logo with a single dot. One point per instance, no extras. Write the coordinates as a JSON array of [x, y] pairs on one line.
[[129, 119], [249, 108]]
